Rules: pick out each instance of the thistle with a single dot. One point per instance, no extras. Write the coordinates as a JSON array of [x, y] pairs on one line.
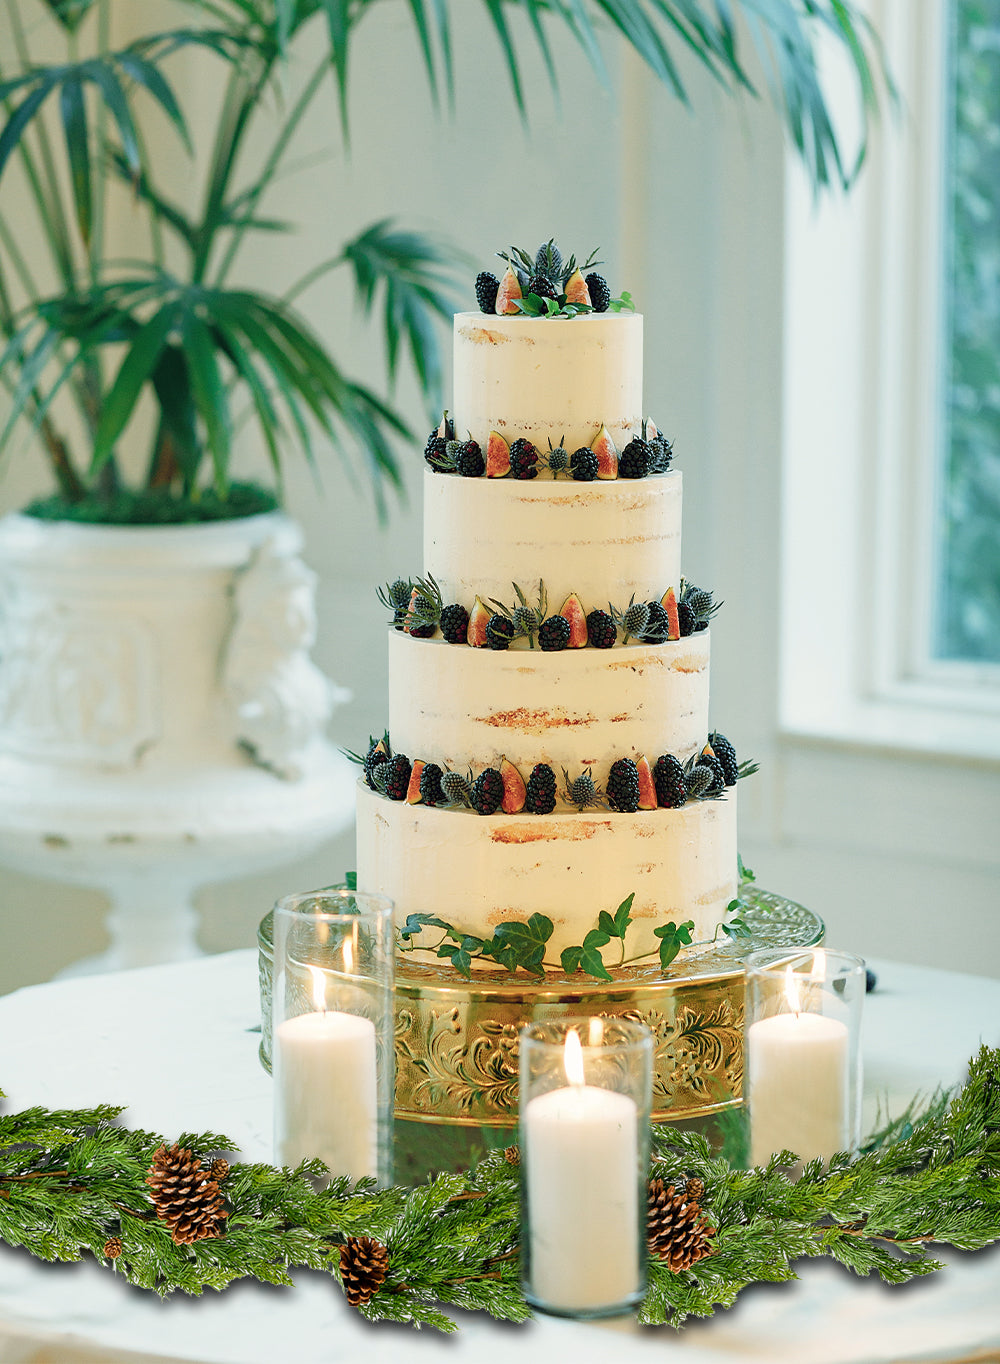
[[395, 597], [634, 620], [457, 789], [525, 617], [582, 791], [557, 459]]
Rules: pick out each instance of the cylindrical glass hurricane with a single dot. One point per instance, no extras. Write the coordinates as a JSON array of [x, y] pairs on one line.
[[803, 1052], [333, 1049], [585, 1097]]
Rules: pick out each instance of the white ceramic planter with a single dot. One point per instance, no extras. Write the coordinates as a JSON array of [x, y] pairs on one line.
[[161, 722]]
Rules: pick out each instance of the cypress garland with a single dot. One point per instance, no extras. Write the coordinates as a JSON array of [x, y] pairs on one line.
[[76, 1182]]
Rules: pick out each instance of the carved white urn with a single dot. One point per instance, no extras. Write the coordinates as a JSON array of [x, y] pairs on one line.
[[161, 721]]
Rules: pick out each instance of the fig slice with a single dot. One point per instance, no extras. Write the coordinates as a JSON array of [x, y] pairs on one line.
[[515, 793], [572, 610], [607, 454], [576, 290], [508, 293], [479, 618], [669, 603], [413, 796], [647, 787], [497, 456]]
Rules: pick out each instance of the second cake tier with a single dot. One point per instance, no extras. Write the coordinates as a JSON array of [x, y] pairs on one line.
[[454, 705]]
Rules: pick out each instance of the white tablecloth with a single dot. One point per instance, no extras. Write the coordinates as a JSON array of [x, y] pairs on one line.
[[175, 1043]]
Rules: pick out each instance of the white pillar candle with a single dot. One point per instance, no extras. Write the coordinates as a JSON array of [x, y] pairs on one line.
[[579, 1147], [326, 1092], [798, 1091]]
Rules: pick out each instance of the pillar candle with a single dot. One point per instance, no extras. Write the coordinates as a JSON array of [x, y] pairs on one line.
[[579, 1151], [798, 1090], [325, 1092]]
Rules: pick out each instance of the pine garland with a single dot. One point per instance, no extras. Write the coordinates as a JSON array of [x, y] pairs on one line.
[[76, 1182]]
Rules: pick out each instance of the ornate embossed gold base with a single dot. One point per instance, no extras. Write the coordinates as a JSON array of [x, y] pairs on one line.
[[456, 1039]]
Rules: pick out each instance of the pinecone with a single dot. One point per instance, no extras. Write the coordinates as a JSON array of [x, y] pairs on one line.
[[657, 629], [455, 624], [676, 1230], [487, 792], [487, 286], [457, 789], [431, 792], [541, 792], [112, 1248], [512, 1155], [635, 460], [600, 294], [601, 630], [583, 465], [499, 631], [668, 777], [398, 770], [554, 633], [523, 459], [184, 1195], [219, 1169], [623, 786], [726, 755], [582, 791], [364, 1263]]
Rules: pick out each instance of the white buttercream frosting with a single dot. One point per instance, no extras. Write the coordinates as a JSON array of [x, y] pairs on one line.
[[478, 871], [455, 705], [601, 540], [548, 379]]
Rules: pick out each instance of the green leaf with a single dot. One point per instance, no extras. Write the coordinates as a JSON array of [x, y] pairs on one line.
[[209, 395], [172, 385], [15, 126], [74, 120], [592, 962], [103, 74], [537, 931], [135, 371], [745, 873], [70, 13], [338, 18], [570, 959], [672, 939], [596, 938], [623, 916], [416, 923]]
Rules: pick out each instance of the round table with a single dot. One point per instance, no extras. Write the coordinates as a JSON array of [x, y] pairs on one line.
[[179, 1045]]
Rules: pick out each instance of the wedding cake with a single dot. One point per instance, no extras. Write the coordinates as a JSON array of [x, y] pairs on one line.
[[548, 792]]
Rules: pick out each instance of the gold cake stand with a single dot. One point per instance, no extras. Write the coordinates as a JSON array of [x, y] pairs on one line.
[[456, 1039]]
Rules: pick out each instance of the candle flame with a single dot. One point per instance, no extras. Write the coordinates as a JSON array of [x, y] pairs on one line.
[[348, 957], [819, 964], [595, 1037], [318, 988], [573, 1058], [792, 990]]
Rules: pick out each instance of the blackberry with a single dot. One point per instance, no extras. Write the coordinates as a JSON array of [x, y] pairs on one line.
[[554, 633], [431, 792], [623, 786], [499, 631], [635, 460], [726, 755], [698, 779], [583, 465], [541, 797], [685, 618], [582, 791], [658, 626], [435, 452], [457, 789], [455, 624], [398, 770], [668, 777], [543, 286], [487, 285], [601, 630], [600, 294], [487, 792], [469, 459], [523, 459], [422, 631]]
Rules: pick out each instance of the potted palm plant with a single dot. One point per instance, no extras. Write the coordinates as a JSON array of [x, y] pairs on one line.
[[157, 702]]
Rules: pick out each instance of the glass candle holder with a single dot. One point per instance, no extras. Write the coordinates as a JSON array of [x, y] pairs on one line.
[[585, 1098], [803, 1051], [333, 1048]]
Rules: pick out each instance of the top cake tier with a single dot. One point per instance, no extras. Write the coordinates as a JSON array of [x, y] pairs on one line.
[[548, 379]]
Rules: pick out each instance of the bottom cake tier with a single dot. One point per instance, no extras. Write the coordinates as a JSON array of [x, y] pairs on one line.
[[475, 872]]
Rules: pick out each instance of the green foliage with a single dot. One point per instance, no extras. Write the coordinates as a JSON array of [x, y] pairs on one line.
[[70, 1180], [104, 336]]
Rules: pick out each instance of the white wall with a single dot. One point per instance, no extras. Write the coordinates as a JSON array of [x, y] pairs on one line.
[[688, 209]]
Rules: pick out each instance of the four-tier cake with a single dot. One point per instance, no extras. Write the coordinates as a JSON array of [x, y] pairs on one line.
[[548, 751]]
